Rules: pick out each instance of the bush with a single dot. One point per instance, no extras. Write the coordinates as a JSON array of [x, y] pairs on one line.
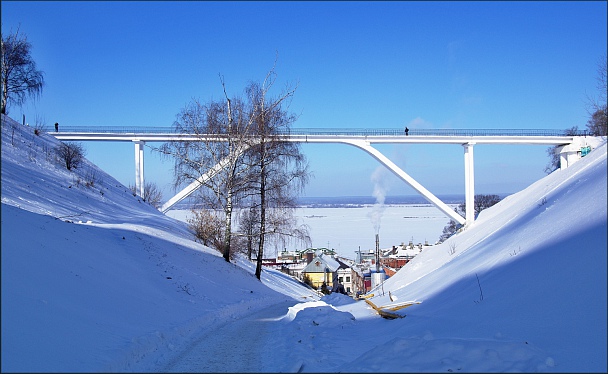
[[481, 202], [207, 228], [71, 154], [152, 194], [324, 289], [39, 126]]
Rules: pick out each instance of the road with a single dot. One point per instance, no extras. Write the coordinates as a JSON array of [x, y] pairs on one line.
[[245, 340]]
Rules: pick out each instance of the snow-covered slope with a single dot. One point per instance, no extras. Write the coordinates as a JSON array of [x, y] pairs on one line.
[[95, 280], [531, 270]]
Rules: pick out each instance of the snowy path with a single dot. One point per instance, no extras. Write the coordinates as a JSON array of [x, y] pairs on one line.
[[242, 340]]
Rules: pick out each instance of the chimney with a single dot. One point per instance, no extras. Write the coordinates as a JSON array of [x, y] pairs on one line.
[[308, 257], [377, 253]]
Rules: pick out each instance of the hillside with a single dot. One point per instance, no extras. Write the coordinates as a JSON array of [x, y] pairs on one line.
[[93, 279], [531, 271]]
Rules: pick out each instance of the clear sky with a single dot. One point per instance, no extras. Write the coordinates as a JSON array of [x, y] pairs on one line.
[[462, 65]]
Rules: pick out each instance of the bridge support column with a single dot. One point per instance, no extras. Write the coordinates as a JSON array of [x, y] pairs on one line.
[[200, 181], [139, 167], [469, 183]]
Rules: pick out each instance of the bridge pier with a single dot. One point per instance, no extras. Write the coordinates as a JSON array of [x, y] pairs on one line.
[[139, 167], [469, 183]]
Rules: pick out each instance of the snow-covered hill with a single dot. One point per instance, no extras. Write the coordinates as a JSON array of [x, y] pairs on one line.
[[531, 272], [93, 279]]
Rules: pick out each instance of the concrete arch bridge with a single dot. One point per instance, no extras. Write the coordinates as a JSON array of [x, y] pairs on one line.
[[571, 147]]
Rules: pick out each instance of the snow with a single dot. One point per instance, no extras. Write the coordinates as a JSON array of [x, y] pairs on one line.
[[93, 279]]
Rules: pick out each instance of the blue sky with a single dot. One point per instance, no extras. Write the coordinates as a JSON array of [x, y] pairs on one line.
[[464, 65]]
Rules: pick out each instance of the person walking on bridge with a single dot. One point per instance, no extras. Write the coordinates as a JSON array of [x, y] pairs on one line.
[[406, 130], [56, 127]]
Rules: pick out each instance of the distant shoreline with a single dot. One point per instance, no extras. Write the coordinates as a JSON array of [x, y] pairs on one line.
[[361, 201], [353, 201], [367, 201]]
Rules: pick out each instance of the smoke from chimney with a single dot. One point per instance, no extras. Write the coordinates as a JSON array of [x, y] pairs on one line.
[[379, 193]]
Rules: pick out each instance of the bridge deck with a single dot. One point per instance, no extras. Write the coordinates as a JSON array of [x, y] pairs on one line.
[[422, 136], [346, 131]]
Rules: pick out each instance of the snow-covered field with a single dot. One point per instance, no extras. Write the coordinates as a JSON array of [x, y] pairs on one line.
[[95, 280]]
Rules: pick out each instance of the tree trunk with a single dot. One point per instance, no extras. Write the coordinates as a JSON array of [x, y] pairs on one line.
[[249, 241], [258, 268], [228, 228], [4, 97]]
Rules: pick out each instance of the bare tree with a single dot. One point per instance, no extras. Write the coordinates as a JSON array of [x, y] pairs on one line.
[[281, 169], [598, 111], [222, 131], [481, 202], [248, 228], [598, 123], [20, 78], [39, 125], [206, 225], [254, 169], [71, 153]]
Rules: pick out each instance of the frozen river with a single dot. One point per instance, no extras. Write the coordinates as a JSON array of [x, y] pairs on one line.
[[346, 230], [349, 229]]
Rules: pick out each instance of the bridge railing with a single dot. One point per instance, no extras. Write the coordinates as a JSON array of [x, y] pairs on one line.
[[343, 131], [438, 132]]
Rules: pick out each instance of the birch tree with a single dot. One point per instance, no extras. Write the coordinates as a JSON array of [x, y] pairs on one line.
[[20, 77], [221, 130], [281, 168], [261, 172]]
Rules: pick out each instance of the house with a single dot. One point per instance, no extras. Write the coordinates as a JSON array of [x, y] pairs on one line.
[[322, 267], [288, 257], [345, 276], [294, 262], [368, 256], [396, 257], [357, 281], [309, 253]]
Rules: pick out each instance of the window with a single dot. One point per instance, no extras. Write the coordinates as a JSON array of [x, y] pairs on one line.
[[347, 279], [340, 279]]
